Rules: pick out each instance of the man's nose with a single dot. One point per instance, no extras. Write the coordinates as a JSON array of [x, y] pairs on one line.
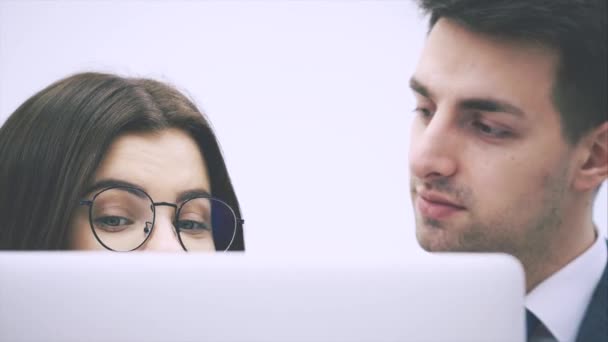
[[164, 236], [434, 148]]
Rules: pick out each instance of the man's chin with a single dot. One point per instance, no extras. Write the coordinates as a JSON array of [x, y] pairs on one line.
[[436, 238], [445, 239], [432, 239]]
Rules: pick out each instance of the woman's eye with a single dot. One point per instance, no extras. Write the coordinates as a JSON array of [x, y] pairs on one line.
[[191, 225], [490, 131], [112, 222]]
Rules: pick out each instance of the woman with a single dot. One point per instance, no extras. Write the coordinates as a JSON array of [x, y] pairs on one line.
[[98, 161]]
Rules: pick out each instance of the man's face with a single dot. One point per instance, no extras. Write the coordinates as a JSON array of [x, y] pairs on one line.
[[489, 164]]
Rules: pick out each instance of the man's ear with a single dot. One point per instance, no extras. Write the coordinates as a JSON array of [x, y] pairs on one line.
[[592, 168]]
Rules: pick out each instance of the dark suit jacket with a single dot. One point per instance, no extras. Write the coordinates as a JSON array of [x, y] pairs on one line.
[[595, 322]]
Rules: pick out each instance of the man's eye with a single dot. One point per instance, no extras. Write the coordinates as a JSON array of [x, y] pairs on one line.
[[191, 225], [423, 112], [490, 131]]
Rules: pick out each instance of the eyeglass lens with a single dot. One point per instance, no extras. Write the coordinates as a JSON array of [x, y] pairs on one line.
[[122, 219]]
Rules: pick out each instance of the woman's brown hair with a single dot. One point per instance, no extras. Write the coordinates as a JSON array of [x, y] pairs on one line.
[[51, 146]]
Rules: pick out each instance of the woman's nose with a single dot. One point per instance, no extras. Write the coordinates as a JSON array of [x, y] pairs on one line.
[[164, 236]]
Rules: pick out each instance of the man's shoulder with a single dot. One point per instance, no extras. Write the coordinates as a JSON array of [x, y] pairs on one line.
[[594, 326]]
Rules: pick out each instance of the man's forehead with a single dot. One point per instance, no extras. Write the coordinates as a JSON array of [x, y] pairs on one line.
[[457, 62], [454, 44], [455, 30]]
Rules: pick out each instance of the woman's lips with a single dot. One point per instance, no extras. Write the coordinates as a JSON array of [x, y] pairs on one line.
[[434, 208]]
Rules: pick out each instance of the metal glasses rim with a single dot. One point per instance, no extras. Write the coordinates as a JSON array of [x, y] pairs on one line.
[[89, 203]]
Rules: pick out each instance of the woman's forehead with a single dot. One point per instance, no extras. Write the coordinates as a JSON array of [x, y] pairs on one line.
[[163, 163]]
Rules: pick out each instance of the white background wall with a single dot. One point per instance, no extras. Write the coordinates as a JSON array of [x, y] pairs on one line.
[[309, 100]]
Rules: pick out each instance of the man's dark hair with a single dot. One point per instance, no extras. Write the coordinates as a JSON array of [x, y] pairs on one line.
[[576, 29], [51, 146]]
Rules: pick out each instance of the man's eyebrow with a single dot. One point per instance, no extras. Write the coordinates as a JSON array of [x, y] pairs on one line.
[[491, 105], [110, 183], [480, 104], [186, 195], [420, 88]]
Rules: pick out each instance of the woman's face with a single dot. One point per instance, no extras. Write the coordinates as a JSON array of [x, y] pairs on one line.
[[167, 166]]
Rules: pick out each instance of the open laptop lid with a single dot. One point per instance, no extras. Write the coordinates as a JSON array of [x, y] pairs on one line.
[[89, 296]]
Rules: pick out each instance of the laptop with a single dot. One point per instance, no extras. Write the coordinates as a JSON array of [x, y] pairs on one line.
[[102, 296]]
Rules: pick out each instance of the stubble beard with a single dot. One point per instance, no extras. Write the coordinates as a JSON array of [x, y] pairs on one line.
[[511, 231]]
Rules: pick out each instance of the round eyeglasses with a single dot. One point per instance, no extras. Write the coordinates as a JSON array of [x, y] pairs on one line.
[[122, 219]]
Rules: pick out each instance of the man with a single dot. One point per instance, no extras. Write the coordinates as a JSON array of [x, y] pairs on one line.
[[510, 145]]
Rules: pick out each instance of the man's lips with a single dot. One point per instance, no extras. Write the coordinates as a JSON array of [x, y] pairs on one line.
[[435, 206]]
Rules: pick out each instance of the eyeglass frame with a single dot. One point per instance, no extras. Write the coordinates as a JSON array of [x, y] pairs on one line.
[[178, 208]]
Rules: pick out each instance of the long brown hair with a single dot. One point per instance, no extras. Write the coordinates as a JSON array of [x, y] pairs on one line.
[[51, 146]]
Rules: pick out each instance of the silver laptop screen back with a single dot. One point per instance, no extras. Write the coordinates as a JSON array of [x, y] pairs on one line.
[[59, 296]]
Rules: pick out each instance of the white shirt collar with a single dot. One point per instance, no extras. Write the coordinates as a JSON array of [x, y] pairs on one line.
[[571, 287]]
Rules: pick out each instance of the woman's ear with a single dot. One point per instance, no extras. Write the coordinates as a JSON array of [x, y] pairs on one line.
[[592, 168]]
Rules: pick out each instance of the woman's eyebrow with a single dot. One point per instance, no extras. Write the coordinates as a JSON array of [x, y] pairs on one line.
[[110, 182], [189, 194], [140, 192]]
